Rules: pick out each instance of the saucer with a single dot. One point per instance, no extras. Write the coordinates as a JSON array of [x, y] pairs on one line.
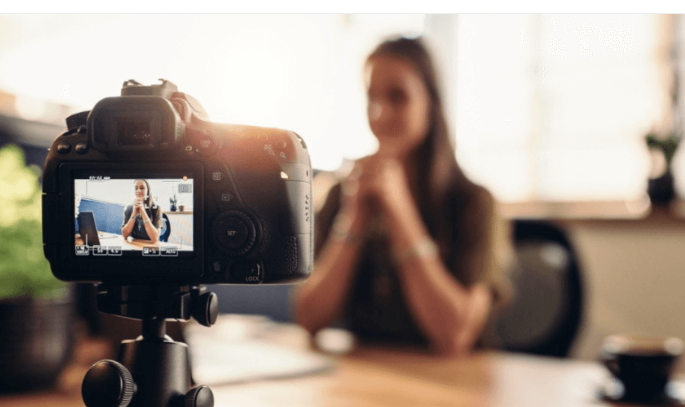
[[613, 391]]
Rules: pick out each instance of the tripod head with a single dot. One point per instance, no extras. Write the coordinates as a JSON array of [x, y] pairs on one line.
[[152, 370], [180, 302]]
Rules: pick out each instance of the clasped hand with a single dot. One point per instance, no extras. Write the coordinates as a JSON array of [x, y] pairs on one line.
[[138, 209], [378, 181]]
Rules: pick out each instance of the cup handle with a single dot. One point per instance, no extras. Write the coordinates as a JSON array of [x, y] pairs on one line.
[[611, 363]]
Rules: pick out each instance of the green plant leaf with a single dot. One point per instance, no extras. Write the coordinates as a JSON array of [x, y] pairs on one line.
[[24, 271]]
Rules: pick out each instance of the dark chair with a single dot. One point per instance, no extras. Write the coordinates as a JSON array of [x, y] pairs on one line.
[[546, 310], [165, 230]]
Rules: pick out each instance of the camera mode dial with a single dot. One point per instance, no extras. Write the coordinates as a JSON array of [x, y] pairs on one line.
[[77, 120], [235, 232]]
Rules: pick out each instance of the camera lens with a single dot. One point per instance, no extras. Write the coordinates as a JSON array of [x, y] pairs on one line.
[[134, 133]]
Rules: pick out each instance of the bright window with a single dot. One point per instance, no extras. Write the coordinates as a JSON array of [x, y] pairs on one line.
[[556, 107]]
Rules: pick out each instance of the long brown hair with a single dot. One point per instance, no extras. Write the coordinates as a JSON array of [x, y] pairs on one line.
[[434, 159]]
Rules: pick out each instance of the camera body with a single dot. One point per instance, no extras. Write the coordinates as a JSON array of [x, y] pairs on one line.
[[231, 204]]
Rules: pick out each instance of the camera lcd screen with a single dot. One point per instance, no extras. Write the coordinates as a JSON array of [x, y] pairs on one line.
[[117, 216]]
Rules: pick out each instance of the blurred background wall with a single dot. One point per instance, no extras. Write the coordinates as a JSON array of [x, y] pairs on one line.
[[549, 112]]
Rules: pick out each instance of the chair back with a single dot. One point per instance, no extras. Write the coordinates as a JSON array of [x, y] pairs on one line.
[[165, 230], [546, 311]]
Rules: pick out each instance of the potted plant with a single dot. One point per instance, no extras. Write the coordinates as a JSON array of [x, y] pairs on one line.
[[660, 186], [35, 307]]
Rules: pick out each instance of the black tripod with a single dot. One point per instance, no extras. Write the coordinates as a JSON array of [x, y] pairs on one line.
[[152, 370]]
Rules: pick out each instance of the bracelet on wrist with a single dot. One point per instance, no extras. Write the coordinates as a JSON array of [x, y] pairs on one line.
[[423, 249]]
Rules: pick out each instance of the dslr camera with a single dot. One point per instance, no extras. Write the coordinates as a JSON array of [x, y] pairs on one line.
[[229, 204]]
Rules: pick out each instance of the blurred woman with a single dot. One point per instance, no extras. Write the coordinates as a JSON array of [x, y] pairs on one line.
[[143, 218], [407, 248]]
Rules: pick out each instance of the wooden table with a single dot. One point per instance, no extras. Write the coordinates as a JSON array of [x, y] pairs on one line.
[[373, 376]]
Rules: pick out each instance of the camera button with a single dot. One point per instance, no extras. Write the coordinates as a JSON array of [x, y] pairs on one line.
[[205, 143], [81, 148], [216, 267], [63, 147], [246, 272], [217, 176], [235, 232], [226, 198]]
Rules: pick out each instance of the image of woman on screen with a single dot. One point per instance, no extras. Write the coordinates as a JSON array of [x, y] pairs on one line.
[[143, 218]]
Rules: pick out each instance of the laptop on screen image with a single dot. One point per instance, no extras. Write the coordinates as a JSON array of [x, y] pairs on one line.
[[87, 229]]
